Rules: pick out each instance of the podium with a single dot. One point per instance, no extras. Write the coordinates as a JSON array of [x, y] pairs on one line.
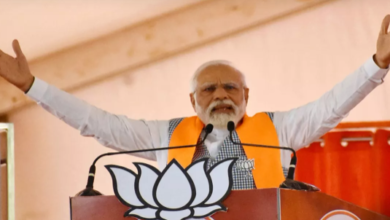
[[267, 204]]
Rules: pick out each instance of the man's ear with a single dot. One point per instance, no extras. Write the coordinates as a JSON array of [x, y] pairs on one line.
[[246, 95], [192, 98]]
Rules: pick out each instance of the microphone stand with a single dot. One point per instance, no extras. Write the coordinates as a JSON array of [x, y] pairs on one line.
[[89, 191], [289, 183]]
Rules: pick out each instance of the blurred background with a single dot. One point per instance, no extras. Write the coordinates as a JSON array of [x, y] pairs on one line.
[[136, 58]]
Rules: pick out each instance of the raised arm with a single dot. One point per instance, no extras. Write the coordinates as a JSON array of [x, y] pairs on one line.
[[114, 131], [301, 126]]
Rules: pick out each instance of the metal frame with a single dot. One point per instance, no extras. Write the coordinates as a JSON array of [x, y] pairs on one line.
[[9, 128]]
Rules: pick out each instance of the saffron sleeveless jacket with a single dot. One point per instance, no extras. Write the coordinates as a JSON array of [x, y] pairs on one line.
[[258, 129]]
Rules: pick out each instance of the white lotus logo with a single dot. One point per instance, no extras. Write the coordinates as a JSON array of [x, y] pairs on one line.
[[175, 193], [340, 215]]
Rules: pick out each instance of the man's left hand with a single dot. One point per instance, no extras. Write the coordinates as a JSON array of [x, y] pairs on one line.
[[382, 56]]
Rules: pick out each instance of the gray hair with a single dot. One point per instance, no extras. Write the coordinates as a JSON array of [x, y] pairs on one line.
[[194, 81]]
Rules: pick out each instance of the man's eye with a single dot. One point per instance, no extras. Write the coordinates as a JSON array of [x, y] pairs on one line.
[[229, 87], [209, 89]]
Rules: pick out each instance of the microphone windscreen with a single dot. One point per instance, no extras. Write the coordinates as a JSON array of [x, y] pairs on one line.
[[230, 126], [209, 128]]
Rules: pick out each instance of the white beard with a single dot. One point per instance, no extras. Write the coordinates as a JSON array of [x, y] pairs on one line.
[[220, 120]]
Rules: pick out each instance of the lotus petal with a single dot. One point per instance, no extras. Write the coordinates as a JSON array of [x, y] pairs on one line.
[[201, 180], [175, 215], [221, 178], [201, 212], [174, 188], [147, 176], [124, 185], [144, 213], [341, 217]]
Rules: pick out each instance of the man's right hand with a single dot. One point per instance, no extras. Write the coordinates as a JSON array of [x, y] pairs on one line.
[[16, 70]]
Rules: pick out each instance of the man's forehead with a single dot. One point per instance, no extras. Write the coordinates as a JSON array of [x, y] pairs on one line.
[[220, 72], [217, 71]]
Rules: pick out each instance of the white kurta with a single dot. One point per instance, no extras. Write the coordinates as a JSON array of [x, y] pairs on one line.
[[296, 128]]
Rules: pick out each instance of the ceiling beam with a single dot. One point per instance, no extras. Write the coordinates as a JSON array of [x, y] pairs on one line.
[[149, 41]]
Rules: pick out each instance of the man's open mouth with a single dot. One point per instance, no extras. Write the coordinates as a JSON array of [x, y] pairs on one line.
[[222, 108]]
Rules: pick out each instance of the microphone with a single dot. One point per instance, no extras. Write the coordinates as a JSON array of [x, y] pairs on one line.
[[289, 183], [89, 191], [293, 162]]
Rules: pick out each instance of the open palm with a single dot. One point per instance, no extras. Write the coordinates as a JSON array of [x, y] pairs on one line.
[[382, 56], [16, 70]]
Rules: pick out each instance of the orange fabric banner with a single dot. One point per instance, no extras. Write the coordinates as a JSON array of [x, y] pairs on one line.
[[358, 173]]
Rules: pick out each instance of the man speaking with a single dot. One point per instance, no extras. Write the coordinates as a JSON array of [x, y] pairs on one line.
[[219, 95]]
